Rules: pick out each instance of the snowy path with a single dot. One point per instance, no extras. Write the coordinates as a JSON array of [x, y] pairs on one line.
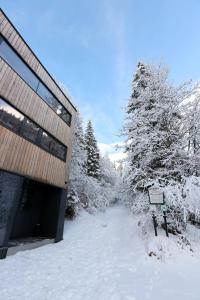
[[101, 258]]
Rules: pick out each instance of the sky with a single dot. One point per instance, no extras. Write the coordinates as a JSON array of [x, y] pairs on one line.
[[93, 47]]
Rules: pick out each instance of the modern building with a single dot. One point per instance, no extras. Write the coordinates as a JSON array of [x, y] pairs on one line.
[[36, 121]]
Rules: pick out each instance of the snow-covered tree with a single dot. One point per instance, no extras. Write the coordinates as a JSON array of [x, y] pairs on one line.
[[77, 173], [72, 203], [78, 159], [153, 129], [109, 174], [191, 113], [84, 190], [92, 153]]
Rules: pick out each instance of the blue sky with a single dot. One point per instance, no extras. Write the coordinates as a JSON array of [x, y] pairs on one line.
[[92, 47]]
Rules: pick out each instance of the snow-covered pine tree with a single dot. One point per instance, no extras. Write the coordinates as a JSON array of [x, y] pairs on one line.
[[191, 113], [78, 160], [92, 153], [109, 174], [77, 172], [153, 129]]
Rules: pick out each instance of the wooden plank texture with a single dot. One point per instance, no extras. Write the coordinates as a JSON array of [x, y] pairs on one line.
[[17, 154], [18, 93], [22, 157]]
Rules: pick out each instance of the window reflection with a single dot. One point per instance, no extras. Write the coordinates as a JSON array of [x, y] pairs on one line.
[[10, 117], [17, 64], [24, 71], [45, 94], [30, 130], [18, 123], [47, 142]]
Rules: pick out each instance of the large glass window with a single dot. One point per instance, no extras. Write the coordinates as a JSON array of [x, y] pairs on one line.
[[18, 123], [17, 64], [12, 58], [10, 117], [47, 142], [30, 130], [44, 93]]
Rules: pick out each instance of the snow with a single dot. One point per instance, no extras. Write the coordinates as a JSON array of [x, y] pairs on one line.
[[102, 257]]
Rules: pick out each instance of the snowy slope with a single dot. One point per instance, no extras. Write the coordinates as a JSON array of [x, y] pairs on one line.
[[101, 258]]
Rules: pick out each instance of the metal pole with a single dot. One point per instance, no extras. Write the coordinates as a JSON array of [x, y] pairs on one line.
[[155, 224], [165, 222]]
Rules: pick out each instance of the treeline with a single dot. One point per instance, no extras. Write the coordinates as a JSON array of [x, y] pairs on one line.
[[92, 177]]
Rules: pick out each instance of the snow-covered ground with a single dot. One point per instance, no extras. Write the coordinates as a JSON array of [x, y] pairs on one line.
[[102, 257]]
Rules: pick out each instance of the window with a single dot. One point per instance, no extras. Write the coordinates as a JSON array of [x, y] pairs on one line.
[[47, 142], [18, 123], [44, 93], [64, 115], [17, 64], [10, 117], [12, 58], [30, 130]]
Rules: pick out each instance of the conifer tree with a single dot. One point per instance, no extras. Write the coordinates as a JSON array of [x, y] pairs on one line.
[[191, 112], [77, 172], [78, 151], [153, 129], [92, 153]]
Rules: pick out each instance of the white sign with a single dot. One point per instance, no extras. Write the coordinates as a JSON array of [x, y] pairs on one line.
[[156, 196]]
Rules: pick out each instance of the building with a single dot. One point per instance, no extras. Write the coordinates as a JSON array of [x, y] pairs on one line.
[[36, 121]]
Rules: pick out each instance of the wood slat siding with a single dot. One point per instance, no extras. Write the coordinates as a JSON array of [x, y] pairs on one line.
[[10, 33], [16, 153], [18, 93], [22, 157]]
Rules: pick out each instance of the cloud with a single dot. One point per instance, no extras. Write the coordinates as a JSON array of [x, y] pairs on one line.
[[114, 154], [117, 157], [105, 148]]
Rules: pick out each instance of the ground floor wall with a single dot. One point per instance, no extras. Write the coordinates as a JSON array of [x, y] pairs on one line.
[[29, 208]]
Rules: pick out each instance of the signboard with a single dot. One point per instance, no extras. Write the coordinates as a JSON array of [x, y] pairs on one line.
[[156, 196]]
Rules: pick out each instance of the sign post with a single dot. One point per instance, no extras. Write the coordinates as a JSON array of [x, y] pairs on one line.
[[165, 222], [156, 197], [155, 224]]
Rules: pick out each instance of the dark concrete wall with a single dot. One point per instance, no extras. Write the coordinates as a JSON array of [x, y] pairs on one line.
[[40, 204], [29, 210], [10, 192], [53, 213], [24, 204]]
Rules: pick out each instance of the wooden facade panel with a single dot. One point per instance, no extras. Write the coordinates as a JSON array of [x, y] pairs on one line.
[[13, 37], [4, 26], [6, 75], [20, 46], [2, 20], [18, 93], [16, 153], [20, 156], [3, 68]]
